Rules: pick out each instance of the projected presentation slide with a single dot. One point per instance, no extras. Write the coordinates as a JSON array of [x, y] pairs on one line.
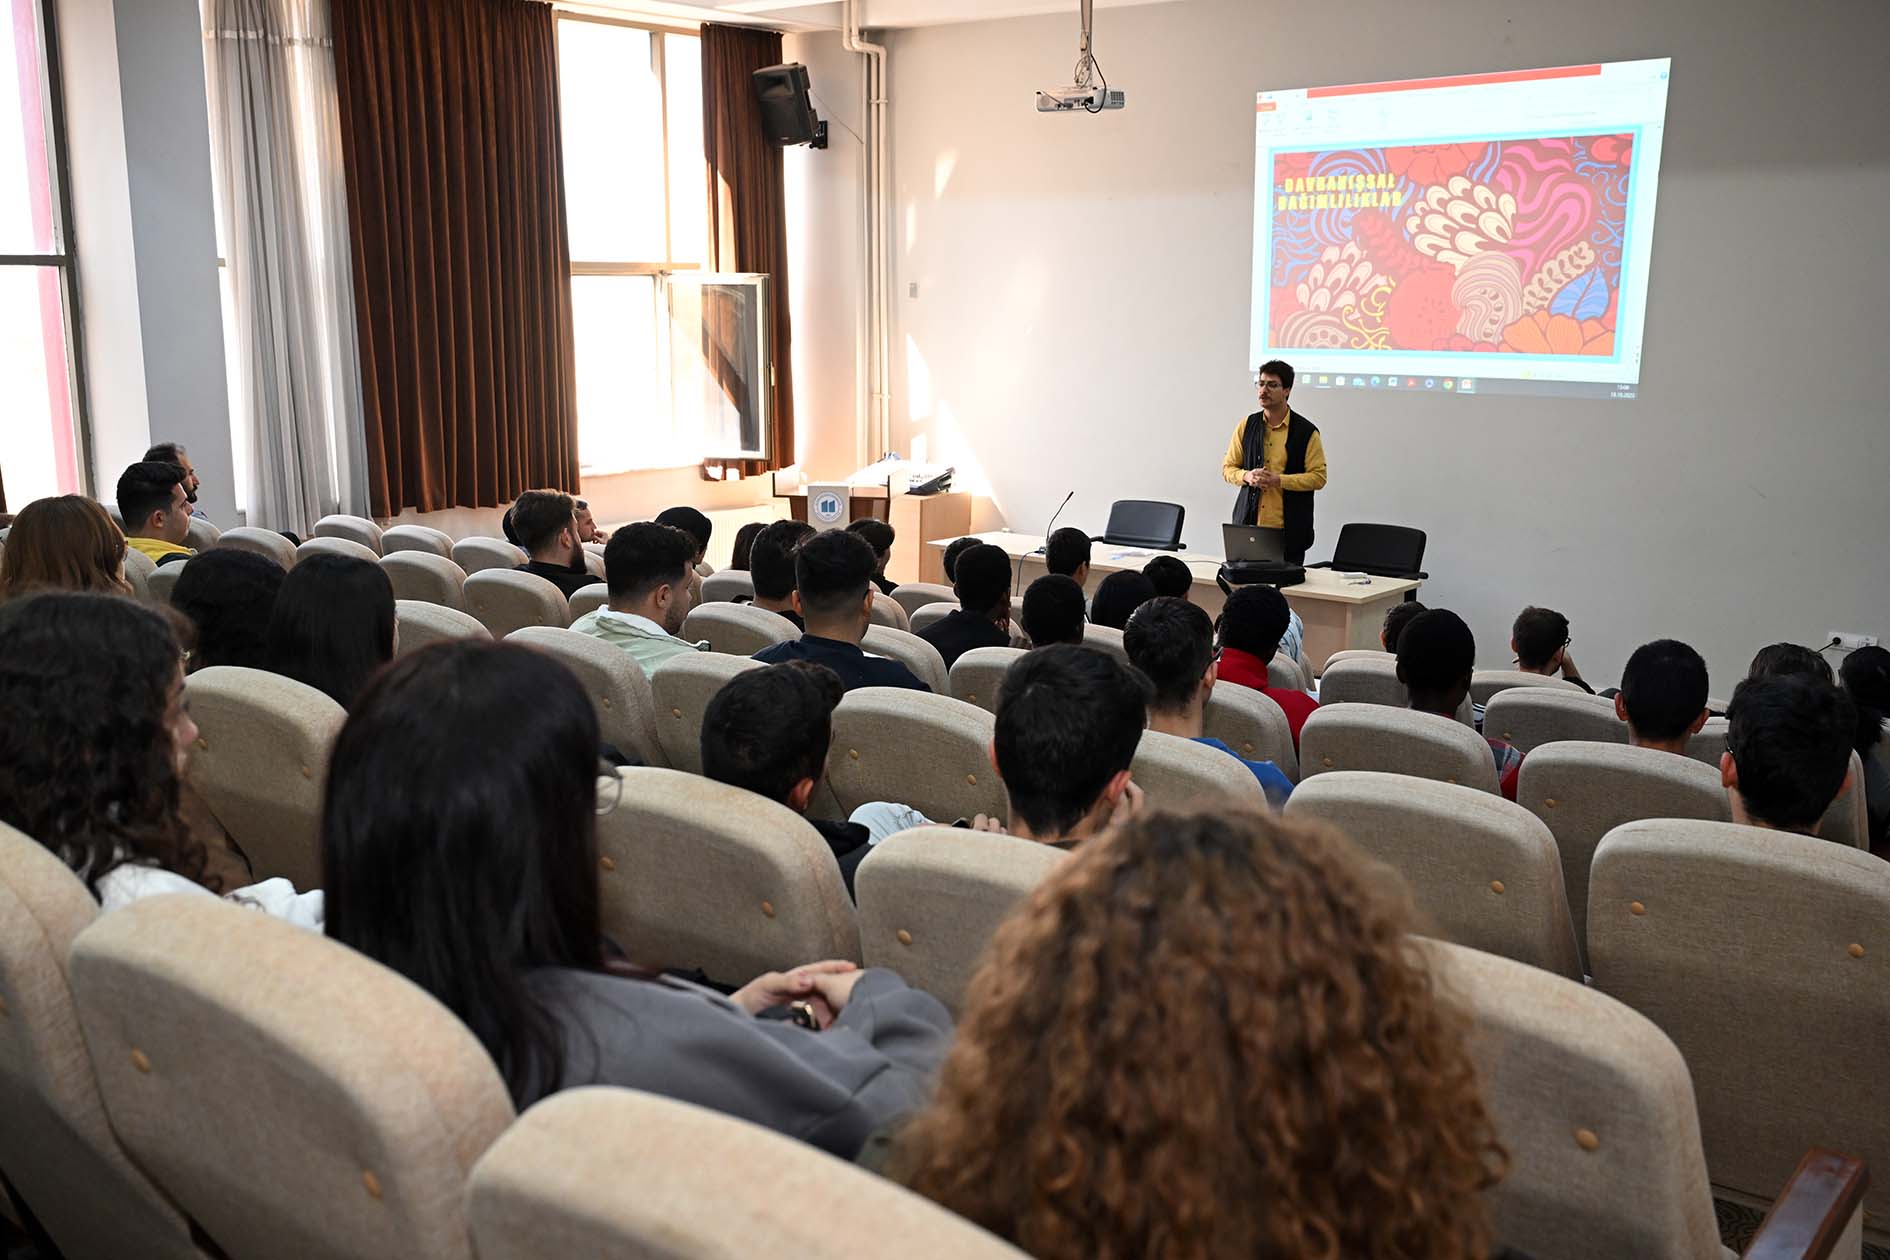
[[1475, 233]]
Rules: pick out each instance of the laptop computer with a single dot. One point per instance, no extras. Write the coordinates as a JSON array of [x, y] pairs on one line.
[[1243, 544]]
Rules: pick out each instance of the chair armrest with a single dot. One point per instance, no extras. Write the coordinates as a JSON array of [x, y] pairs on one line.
[[1819, 1214]]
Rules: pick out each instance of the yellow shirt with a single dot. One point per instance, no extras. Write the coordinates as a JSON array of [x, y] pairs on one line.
[[157, 548], [1271, 513]]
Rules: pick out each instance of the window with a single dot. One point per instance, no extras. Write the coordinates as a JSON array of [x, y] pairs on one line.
[[45, 448]]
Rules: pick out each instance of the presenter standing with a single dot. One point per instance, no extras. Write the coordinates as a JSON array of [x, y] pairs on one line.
[[1277, 460]]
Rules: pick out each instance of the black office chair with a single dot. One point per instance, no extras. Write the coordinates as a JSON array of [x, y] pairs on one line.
[[1144, 523], [1394, 551]]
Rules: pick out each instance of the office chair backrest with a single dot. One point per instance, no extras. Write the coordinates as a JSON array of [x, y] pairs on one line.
[[1145, 523], [1387, 550]]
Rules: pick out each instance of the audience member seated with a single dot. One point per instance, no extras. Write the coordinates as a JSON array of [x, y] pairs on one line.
[[744, 540], [587, 530], [1172, 643], [1053, 611], [1866, 675], [880, 536], [1788, 751], [983, 615], [698, 527], [67, 543], [1540, 640], [1782, 659], [1397, 617], [1066, 552], [1663, 696], [93, 748], [174, 453], [833, 577], [1251, 625], [771, 567], [230, 598], [1436, 655], [545, 522], [157, 516], [1118, 597], [1209, 1036], [1172, 577], [459, 848], [954, 549], [649, 569], [333, 625]]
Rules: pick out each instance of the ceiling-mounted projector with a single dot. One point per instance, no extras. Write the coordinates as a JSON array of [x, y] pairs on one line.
[[1091, 92]]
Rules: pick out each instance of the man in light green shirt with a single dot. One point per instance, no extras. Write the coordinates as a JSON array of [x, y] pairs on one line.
[[653, 583]]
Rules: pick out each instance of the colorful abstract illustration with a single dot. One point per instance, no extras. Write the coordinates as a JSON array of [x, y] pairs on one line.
[[1498, 246]]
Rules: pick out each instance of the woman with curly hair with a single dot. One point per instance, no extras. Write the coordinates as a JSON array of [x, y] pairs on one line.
[[1209, 1036], [66, 543]]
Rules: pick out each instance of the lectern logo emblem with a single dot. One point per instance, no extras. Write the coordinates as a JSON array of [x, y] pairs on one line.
[[827, 507]]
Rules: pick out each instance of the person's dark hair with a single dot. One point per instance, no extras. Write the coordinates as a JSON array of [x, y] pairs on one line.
[[1254, 620], [744, 541], [165, 453], [508, 529], [1790, 737], [878, 534], [1397, 617], [538, 515], [1866, 675], [1171, 577], [771, 559], [983, 583], [954, 549], [769, 728], [87, 766], [459, 839], [1053, 610], [832, 571], [691, 522], [1436, 652], [641, 557], [144, 488], [1172, 643], [1663, 689], [1539, 633], [1117, 598], [230, 597], [1068, 720], [1066, 551], [1280, 368], [333, 625], [1780, 659]]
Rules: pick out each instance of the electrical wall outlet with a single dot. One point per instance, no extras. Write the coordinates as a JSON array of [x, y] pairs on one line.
[[1851, 642]]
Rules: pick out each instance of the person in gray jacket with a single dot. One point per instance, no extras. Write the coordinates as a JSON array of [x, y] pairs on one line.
[[459, 848]]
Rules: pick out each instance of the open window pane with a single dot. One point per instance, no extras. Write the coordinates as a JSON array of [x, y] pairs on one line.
[[688, 171], [40, 452], [623, 417], [718, 330], [613, 143], [26, 175]]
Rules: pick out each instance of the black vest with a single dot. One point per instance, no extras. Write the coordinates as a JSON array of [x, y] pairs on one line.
[[1296, 506]]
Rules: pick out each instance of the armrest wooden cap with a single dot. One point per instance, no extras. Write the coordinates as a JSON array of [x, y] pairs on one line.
[[1814, 1211]]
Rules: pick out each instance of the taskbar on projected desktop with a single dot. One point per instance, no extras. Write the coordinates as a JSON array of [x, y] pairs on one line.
[[1403, 384]]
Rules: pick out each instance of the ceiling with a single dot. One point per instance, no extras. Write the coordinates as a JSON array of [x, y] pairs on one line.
[[799, 15]]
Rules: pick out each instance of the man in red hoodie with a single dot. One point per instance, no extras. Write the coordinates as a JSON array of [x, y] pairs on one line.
[[1252, 623]]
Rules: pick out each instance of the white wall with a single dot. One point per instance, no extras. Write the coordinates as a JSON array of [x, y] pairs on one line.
[[1082, 310]]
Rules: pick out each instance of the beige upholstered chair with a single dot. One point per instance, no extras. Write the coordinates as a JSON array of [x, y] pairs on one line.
[[705, 1184], [505, 600], [1709, 743], [681, 688], [1354, 736], [929, 615], [163, 580], [1847, 821], [1177, 773], [1372, 678], [138, 570], [698, 874], [260, 762], [56, 1145], [886, 611], [913, 596], [911, 651], [927, 751], [738, 629], [977, 675], [589, 599], [423, 576], [930, 898], [262, 541], [1766, 957], [293, 1096], [1529, 717], [1358, 654], [1252, 725], [419, 623], [619, 690], [1585, 790], [1485, 683], [1106, 639], [416, 538], [336, 546], [727, 586], [594, 565], [202, 535], [1482, 871], [356, 529], [475, 554], [1283, 671]]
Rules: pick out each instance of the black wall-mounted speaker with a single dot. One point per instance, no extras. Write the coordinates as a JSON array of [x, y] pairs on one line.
[[787, 115]]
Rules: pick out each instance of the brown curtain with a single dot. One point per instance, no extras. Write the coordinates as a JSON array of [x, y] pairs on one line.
[[748, 208], [449, 117]]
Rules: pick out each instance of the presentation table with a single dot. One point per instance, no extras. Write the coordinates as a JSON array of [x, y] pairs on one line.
[[1339, 612]]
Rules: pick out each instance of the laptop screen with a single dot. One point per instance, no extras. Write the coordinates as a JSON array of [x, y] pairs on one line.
[[1252, 542]]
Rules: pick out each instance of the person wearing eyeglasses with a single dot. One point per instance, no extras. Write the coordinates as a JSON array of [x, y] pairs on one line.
[[1278, 461], [1540, 640]]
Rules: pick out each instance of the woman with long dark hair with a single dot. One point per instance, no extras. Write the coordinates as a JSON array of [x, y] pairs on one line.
[[459, 847], [1866, 676], [333, 625], [745, 543], [65, 543]]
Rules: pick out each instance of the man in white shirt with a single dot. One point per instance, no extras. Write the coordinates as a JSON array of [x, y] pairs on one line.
[[650, 571]]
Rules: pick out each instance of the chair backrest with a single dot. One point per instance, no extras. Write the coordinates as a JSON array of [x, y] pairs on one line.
[[138, 570], [617, 685], [475, 554], [1594, 1105], [682, 687], [1529, 717], [1145, 522], [1709, 742], [1766, 957], [202, 535], [266, 542], [1846, 820], [338, 547], [927, 751], [1388, 550], [588, 599], [418, 623], [1106, 639], [725, 587], [424, 576], [163, 580], [1177, 773], [700, 875], [293, 1096], [911, 651], [416, 538], [738, 629], [1363, 679], [913, 596], [594, 565], [1397, 741], [1285, 672], [887, 611], [1485, 683], [1584, 790], [1358, 654], [1482, 871], [930, 898], [706, 1184], [1252, 725], [929, 615], [505, 600], [56, 1145], [357, 529], [976, 675], [260, 761]]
